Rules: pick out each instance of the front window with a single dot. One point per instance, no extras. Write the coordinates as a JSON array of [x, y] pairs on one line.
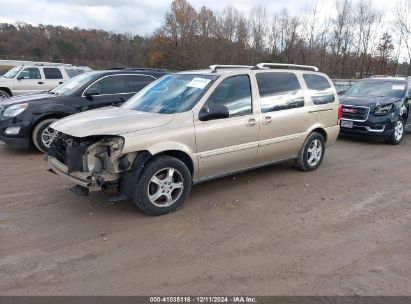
[[377, 89], [72, 85], [30, 73], [115, 84], [171, 94], [234, 93], [13, 72]]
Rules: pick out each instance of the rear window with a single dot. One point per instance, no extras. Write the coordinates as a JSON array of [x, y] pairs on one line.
[[320, 89], [52, 73], [279, 91]]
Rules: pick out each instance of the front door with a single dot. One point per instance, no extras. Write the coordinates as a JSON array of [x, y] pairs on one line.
[[29, 80], [228, 144]]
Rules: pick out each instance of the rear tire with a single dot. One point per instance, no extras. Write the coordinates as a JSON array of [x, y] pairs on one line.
[[43, 135], [398, 134], [4, 95], [163, 186], [312, 152]]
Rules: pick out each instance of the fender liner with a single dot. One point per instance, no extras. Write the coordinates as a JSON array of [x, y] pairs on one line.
[[129, 180]]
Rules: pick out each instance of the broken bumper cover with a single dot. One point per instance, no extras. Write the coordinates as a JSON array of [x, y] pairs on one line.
[[84, 179]]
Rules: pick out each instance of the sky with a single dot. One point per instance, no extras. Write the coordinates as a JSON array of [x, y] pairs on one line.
[[132, 16]]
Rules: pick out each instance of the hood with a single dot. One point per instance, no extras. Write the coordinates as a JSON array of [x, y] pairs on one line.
[[109, 121], [26, 98], [367, 101]]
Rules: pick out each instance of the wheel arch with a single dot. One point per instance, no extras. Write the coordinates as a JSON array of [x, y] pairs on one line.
[[319, 129], [41, 118], [6, 90]]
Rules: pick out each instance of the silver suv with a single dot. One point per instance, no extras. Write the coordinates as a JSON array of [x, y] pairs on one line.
[[36, 78], [194, 126]]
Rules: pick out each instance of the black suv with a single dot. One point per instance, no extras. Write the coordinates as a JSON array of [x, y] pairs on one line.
[[377, 107], [25, 120]]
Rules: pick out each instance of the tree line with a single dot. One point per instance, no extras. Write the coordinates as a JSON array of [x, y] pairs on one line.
[[354, 40]]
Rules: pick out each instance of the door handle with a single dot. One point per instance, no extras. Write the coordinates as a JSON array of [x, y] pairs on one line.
[[40, 82], [267, 120], [60, 82], [251, 122]]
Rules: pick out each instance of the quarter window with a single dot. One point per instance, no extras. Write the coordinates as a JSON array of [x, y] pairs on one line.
[[52, 73], [30, 73], [112, 85], [320, 89], [234, 93], [279, 91]]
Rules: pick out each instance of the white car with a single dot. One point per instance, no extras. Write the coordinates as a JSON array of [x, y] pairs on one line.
[[36, 78]]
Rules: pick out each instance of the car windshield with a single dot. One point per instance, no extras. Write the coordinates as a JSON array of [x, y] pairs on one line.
[[13, 72], [73, 84], [377, 89], [171, 94]]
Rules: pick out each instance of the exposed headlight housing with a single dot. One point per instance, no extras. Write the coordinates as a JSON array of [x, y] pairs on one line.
[[15, 110], [383, 109]]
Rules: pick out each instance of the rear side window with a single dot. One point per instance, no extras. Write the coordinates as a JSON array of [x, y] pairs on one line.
[[52, 73], [320, 89], [279, 91], [234, 93], [137, 82], [113, 85]]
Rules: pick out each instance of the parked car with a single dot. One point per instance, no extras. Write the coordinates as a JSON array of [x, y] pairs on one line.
[[36, 78], [25, 120], [194, 126], [377, 107]]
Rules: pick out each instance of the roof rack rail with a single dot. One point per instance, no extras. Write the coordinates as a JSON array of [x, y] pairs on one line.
[[381, 76], [146, 69], [215, 67], [286, 66]]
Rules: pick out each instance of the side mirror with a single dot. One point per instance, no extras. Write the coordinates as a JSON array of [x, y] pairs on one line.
[[20, 77], [341, 92], [91, 92], [213, 112]]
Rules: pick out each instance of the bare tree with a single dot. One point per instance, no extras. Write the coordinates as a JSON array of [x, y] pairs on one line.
[[258, 31], [403, 25]]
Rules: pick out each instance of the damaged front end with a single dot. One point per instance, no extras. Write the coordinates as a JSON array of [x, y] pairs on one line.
[[94, 162]]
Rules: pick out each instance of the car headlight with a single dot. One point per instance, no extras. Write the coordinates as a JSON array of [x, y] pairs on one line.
[[15, 110], [384, 109]]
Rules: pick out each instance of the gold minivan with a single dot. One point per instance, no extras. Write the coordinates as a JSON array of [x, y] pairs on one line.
[[194, 126]]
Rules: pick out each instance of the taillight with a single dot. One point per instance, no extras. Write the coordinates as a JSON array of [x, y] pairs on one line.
[[340, 112]]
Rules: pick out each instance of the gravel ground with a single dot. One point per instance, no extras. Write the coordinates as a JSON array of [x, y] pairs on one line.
[[341, 230]]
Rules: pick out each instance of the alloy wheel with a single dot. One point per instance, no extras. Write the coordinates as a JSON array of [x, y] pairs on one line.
[[165, 187], [48, 136], [315, 151], [399, 130]]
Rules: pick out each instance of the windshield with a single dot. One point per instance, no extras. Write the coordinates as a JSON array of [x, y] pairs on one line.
[[13, 72], [73, 84], [171, 94], [377, 89]]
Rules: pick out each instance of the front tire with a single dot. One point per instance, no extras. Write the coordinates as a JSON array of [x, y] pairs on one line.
[[4, 95], [312, 152], [163, 186], [43, 135], [398, 134]]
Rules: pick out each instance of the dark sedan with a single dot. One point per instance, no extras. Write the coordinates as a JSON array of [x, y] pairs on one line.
[[377, 107], [25, 120]]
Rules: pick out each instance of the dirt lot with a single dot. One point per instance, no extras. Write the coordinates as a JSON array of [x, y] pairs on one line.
[[342, 230]]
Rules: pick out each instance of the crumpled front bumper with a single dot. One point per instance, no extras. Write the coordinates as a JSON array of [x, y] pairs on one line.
[[84, 179]]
